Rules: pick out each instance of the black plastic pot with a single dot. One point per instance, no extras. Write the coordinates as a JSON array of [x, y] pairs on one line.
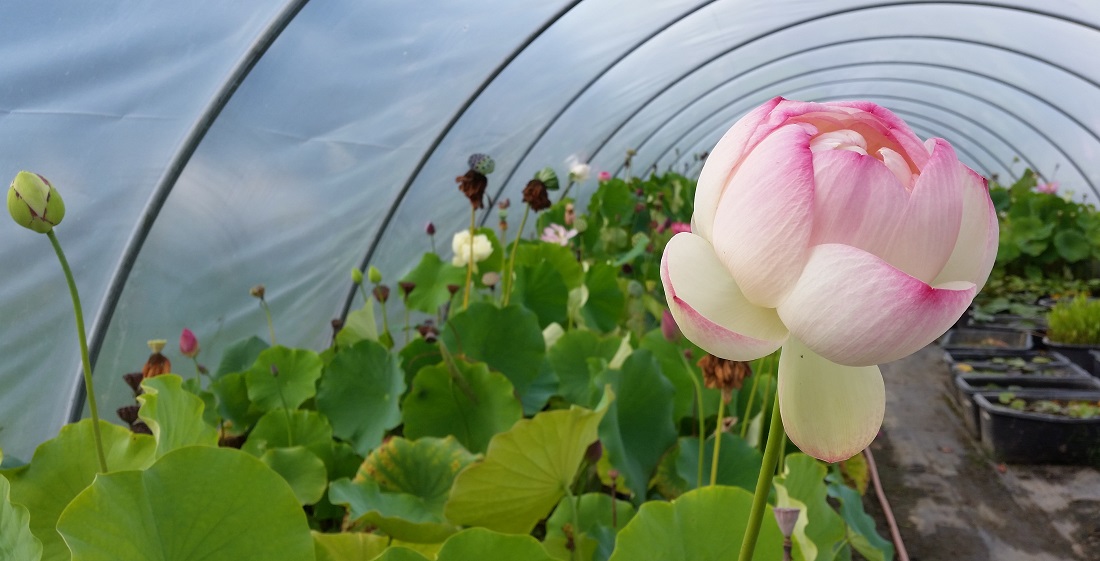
[[983, 360], [1009, 322], [990, 342], [965, 388], [1095, 362], [1022, 437], [1078, 354]]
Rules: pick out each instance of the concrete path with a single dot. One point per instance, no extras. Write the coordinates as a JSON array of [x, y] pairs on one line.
[[953, 503]]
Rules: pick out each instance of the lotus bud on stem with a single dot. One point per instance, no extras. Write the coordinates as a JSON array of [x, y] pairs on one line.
[[430, 230], [259, 292], [406, 288], [537, 199], [35, 204]]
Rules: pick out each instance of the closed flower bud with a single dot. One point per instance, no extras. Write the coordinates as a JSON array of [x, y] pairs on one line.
[[34, 203], [430, 229], [374, 275], [356, 276], [604, 176], [189, 345]]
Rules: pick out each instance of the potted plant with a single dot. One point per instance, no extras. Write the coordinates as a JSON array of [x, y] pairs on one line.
[[1075, 330], [1041, 427], [965, 386]]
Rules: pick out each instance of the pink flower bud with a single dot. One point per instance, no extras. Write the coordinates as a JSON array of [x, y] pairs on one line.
[[430, 229], [189, 345], [603, 176]]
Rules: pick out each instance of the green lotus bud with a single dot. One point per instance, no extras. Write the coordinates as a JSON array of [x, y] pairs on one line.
[[34, 203], [356, 276], [374, 275]]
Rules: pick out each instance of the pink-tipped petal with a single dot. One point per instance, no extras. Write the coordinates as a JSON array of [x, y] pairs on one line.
[[765, 216], [896, 129], [926, 234], [708, 306], [855, 309], [857, 201], [829, 411], [976, 249], [722, 162]]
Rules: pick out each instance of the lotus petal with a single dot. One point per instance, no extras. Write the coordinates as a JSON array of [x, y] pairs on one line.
[[976, 248], [829, 411], [761, 234], [855, 309], [709, 307], [858, 201]]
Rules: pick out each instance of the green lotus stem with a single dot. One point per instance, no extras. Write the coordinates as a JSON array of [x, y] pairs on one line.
[[701, 416], [748, 405], [470, 261], [782, 453], [270, 324], [763, 483], [85, 361], [507, 292], [717, 442], [198, 369], [575, 502], [385, 320], [407, 322]]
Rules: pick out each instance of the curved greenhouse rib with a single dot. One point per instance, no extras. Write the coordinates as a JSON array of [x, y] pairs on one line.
[[1072, 162], [439, 140], [814, 48], [167, 182]]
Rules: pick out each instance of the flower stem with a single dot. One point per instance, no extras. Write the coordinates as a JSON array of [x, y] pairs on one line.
[[748, 406], [406, 322], [575, 503], [385, 320], [701, 415], [270, 324], [507, 291], [470, 261], [85, 361], [565, 192], [763, 483], [717, 442]]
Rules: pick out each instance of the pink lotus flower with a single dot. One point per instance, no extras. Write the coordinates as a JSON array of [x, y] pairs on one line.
[[189, 345], [557, 234], [1049, 188], [603, 176], [832, 231], [678, 227]]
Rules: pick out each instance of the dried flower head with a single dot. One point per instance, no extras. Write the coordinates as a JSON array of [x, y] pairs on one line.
[[473, 184], [536, 196], [481, 163], [726, 375], [406, 288], [257, 291], [381, 293], [133, 380], [157, 363]]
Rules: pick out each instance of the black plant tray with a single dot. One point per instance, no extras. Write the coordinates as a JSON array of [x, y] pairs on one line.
[[1021, 437], [983, 361], [1078, 354], [979, 341], [965, 388]]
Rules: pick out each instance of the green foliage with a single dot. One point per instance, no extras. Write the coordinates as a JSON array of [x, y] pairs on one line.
[[738, 462], [360, 393], [431, 277], [820, 531], [188, 506], [174, 414], [283, 377], [508, 339], [1075, 322], [16, 539]]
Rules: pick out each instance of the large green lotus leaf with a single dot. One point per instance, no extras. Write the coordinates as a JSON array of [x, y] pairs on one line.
[[1071, 245], [348, 546], [667, 480], [595, 518], [302, 470], [861, 527], [359, 326], [606, 303], [17, 543], [283, 377], [431, 277], [195, 503], [561, 258], [526, 471], [240, 356], [738, 462], [360, 394], [680, 371], [474, 409], [64, 466], [478, 544], [540, 288], [820, 531], [570, 358], [345, 461], [174, 414], [638, 429], [540, 390], [277, 429], [233, 403], [400, 515], [209, 400], [706, 524], [399, 553], [416, 355], [425, 468], [508, 339]]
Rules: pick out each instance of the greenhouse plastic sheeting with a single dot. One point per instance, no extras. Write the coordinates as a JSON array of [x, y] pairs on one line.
[[350, 121]]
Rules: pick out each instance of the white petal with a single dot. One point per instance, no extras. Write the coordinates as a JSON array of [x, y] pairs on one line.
[[829, 411], [976, 249], [765, 216], [853, 308], [709, 307]]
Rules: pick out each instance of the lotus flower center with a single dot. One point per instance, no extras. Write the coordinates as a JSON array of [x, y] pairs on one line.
[[848, 139]]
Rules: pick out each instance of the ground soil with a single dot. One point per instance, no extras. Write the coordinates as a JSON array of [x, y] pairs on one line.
[[952, 502]]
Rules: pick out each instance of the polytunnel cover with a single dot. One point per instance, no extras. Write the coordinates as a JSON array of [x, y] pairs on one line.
[[206, 147]]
